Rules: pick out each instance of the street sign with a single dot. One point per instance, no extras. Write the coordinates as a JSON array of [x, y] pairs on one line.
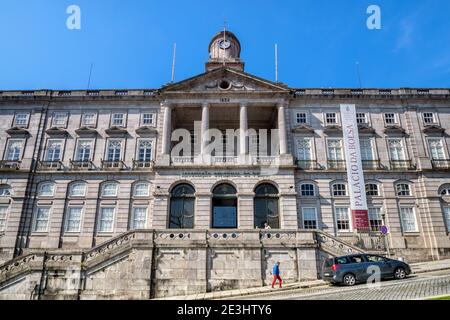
[[384, 230]]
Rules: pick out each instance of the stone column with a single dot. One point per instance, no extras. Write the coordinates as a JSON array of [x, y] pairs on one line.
[[282, 128], [243, 120], [167, 128], [204, 128]]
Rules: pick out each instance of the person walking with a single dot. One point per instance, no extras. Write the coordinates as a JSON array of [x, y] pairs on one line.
[[276, 274]]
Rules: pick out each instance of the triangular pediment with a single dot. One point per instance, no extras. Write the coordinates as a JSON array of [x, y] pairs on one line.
[[225, 80]]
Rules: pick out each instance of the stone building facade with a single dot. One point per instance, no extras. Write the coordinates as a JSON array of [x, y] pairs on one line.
[[81, 169]]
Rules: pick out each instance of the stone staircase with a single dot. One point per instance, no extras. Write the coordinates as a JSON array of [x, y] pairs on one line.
[[138, 264]]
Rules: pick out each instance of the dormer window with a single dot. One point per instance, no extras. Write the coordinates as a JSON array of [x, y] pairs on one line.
[[148, 119], [331, 118], [118, 120], [21, 120], [429, 118], [301, 118], [361, 118], [390, 119], [88, 119], [59, 119]]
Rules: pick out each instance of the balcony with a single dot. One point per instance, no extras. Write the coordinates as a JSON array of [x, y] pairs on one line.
[[224, 160], [266, 160], [338, 165], [441, 164], [50, 165], [183, 160], [7, 165], [308, 165], [371, 165], [113, 165], [81, 165], [402, 165], [141, 164]]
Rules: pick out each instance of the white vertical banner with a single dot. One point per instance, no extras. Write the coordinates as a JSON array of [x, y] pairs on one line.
[[355, 174]]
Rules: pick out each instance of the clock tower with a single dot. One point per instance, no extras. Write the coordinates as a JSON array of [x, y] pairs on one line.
[[224, 50]]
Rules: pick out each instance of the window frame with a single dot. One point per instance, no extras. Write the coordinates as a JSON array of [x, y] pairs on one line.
[[366, 118], [35, 218], [378, 194], [22, 149], [6, 187], [310, 140], [302, 191], [5, 218], [142, 119], [381, 218], [350, 222], [333, 190], [83, 117], [26, 125], [40, 186], [138, 148], [124, 119], [102, 192], [395, 118], [410, 191], [60, 113], [61, 152], [404, 149], [133, 217], [316, 220], [416, 225], [446, 216], [103, 207], [336, 118], [443, 145], [67, 219], [142, 195], [122, 146], [434, 118], [296, 117], [77, 149], [342, 153], [71, 186]]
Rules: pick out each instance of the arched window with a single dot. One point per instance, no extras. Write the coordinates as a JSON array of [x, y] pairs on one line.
[[182, 207], [77, 189], [372, 189], [141, 189], [339, 190], [46, 189], [307, 190], [403, 189], [266, 206], [224, 207], [444, 190], [5, 190], [109, 189]]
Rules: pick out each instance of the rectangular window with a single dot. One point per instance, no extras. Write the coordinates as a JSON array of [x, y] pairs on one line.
[[408, 218], [54, 150], [429, 118], [14, 150], [330, 118], [41, 220], [375, 219], [396, 150], [3, 212], [361, 118], [342, 219], [390, 118], [335, 152], [304, 149], [148, 119], [73, 223], [301, 118], [145, 147], [106, 219], [21, 120], [447, 217], [118, 120], [114, 150], [139, 218], [59, 119], [307, 190], [88, 119], [309, 218], [366, 149], [85, 150], [436, 149]]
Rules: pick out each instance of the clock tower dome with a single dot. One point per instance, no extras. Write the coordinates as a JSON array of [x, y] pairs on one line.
[[224, 50]]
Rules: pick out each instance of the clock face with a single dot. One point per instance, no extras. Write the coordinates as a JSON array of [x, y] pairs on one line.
[[224, 44]]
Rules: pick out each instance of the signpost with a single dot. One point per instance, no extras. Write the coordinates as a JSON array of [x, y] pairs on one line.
[[355, 176]]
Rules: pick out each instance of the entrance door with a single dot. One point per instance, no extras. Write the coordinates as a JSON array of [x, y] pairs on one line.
[[224, 207]]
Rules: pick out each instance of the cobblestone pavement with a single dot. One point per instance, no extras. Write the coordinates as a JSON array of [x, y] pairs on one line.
[[415, 287]]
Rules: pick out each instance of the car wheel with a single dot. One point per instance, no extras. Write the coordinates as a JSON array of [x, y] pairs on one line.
[[349, 280], [399, 274]]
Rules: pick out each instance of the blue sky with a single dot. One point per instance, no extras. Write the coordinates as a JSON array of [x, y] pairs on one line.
[[130, 42]]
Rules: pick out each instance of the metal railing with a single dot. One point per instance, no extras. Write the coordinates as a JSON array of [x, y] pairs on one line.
[[142, 164], [81, 165], [7, 165], [441, 164], [113, 165], [336, 165], [50, 165], [402, 165], [308, 165]]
